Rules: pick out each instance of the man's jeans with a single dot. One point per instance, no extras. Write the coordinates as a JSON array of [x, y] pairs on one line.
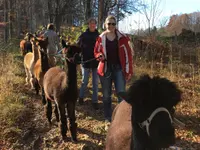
[[85, 78], [114, 74]]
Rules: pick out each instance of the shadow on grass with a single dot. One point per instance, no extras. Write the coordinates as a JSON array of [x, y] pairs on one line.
[[187, 145], [191, 122]]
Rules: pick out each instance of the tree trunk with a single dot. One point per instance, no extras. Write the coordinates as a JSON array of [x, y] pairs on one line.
[[10, 18], [50, 11], [19, 21], [88, 12], [100, 15], [6, 20], [58, 20], [117, 14]]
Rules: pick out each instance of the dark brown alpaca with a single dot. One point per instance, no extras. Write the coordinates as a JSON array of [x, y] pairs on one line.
[[144, 120], [61, 86]]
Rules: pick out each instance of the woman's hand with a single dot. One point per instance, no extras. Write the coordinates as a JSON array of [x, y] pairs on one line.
[[100, 57], [128, 78]]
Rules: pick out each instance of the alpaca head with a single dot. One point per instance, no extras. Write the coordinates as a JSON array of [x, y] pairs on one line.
[[72, 53], [40, 43], [153, 101]]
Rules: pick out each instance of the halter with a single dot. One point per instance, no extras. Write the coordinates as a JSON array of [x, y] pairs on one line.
[[147, 122], [71, 59]]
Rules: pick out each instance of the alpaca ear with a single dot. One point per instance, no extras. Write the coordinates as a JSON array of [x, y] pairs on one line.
[[35, 38]]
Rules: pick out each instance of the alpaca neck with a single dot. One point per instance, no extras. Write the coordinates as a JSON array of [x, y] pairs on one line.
[[138, 144], [35, 54], [44, 62], [72, 76], [140, 139]]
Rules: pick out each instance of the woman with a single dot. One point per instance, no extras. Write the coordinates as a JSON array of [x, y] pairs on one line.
[[114, 52]]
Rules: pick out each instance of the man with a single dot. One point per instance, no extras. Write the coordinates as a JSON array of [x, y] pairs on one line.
[[53, 45], [87, 42]]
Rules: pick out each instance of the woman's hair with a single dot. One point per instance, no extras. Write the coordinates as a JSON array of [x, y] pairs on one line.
[[108, 18], [50, 26]]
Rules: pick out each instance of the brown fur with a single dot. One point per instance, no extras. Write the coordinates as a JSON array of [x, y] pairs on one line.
[[29, 62], [27, 66], [38, 73], [38, 70], [22, 47], [120, 127], [61, 86]]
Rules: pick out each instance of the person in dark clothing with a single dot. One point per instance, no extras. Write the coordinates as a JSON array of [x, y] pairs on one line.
[[87, 42]]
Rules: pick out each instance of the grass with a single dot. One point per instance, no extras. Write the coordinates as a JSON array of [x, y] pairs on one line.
[[12, 99], [23, 124]]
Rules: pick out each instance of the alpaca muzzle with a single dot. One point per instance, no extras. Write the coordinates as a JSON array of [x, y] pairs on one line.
[[147, 122]]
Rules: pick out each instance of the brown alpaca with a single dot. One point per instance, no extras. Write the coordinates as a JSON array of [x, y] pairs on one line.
[[61, 86], [120, 127], [29, 63], [145, 119], [41, 66], [22, 47]]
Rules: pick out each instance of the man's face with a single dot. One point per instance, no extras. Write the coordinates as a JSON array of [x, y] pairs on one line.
[[92, 26]]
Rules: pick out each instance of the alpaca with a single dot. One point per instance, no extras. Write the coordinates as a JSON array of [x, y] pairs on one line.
[[60, 86], [145, 119], [25, 44], [41, 66], [22, 47], [29, 62]]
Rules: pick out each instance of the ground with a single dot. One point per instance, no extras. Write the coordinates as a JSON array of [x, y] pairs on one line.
[[30, 129]]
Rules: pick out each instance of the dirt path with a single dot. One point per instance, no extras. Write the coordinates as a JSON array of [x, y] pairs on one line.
[[39, 135]]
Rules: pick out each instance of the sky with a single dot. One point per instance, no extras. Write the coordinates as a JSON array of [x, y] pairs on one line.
[[168, 7]]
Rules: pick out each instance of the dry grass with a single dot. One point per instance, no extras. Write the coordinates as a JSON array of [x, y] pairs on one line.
[[24, 126]]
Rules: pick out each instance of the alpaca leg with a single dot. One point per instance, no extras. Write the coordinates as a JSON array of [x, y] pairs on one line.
[[72, 120], [36, 86], [32, 82], [56, 112], [32, 79], [48, 110], [27, 76], [43, 97], [63, 120]]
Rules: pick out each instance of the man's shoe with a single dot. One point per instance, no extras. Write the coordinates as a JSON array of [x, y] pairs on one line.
[[95, 106]]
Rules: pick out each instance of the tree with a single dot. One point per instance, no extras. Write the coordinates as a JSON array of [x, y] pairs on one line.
[[88, 12], [152, 12], [118, 8], [6, 20]]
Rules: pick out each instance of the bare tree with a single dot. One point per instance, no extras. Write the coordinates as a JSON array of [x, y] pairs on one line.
[[152, 11], [6, 20]]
